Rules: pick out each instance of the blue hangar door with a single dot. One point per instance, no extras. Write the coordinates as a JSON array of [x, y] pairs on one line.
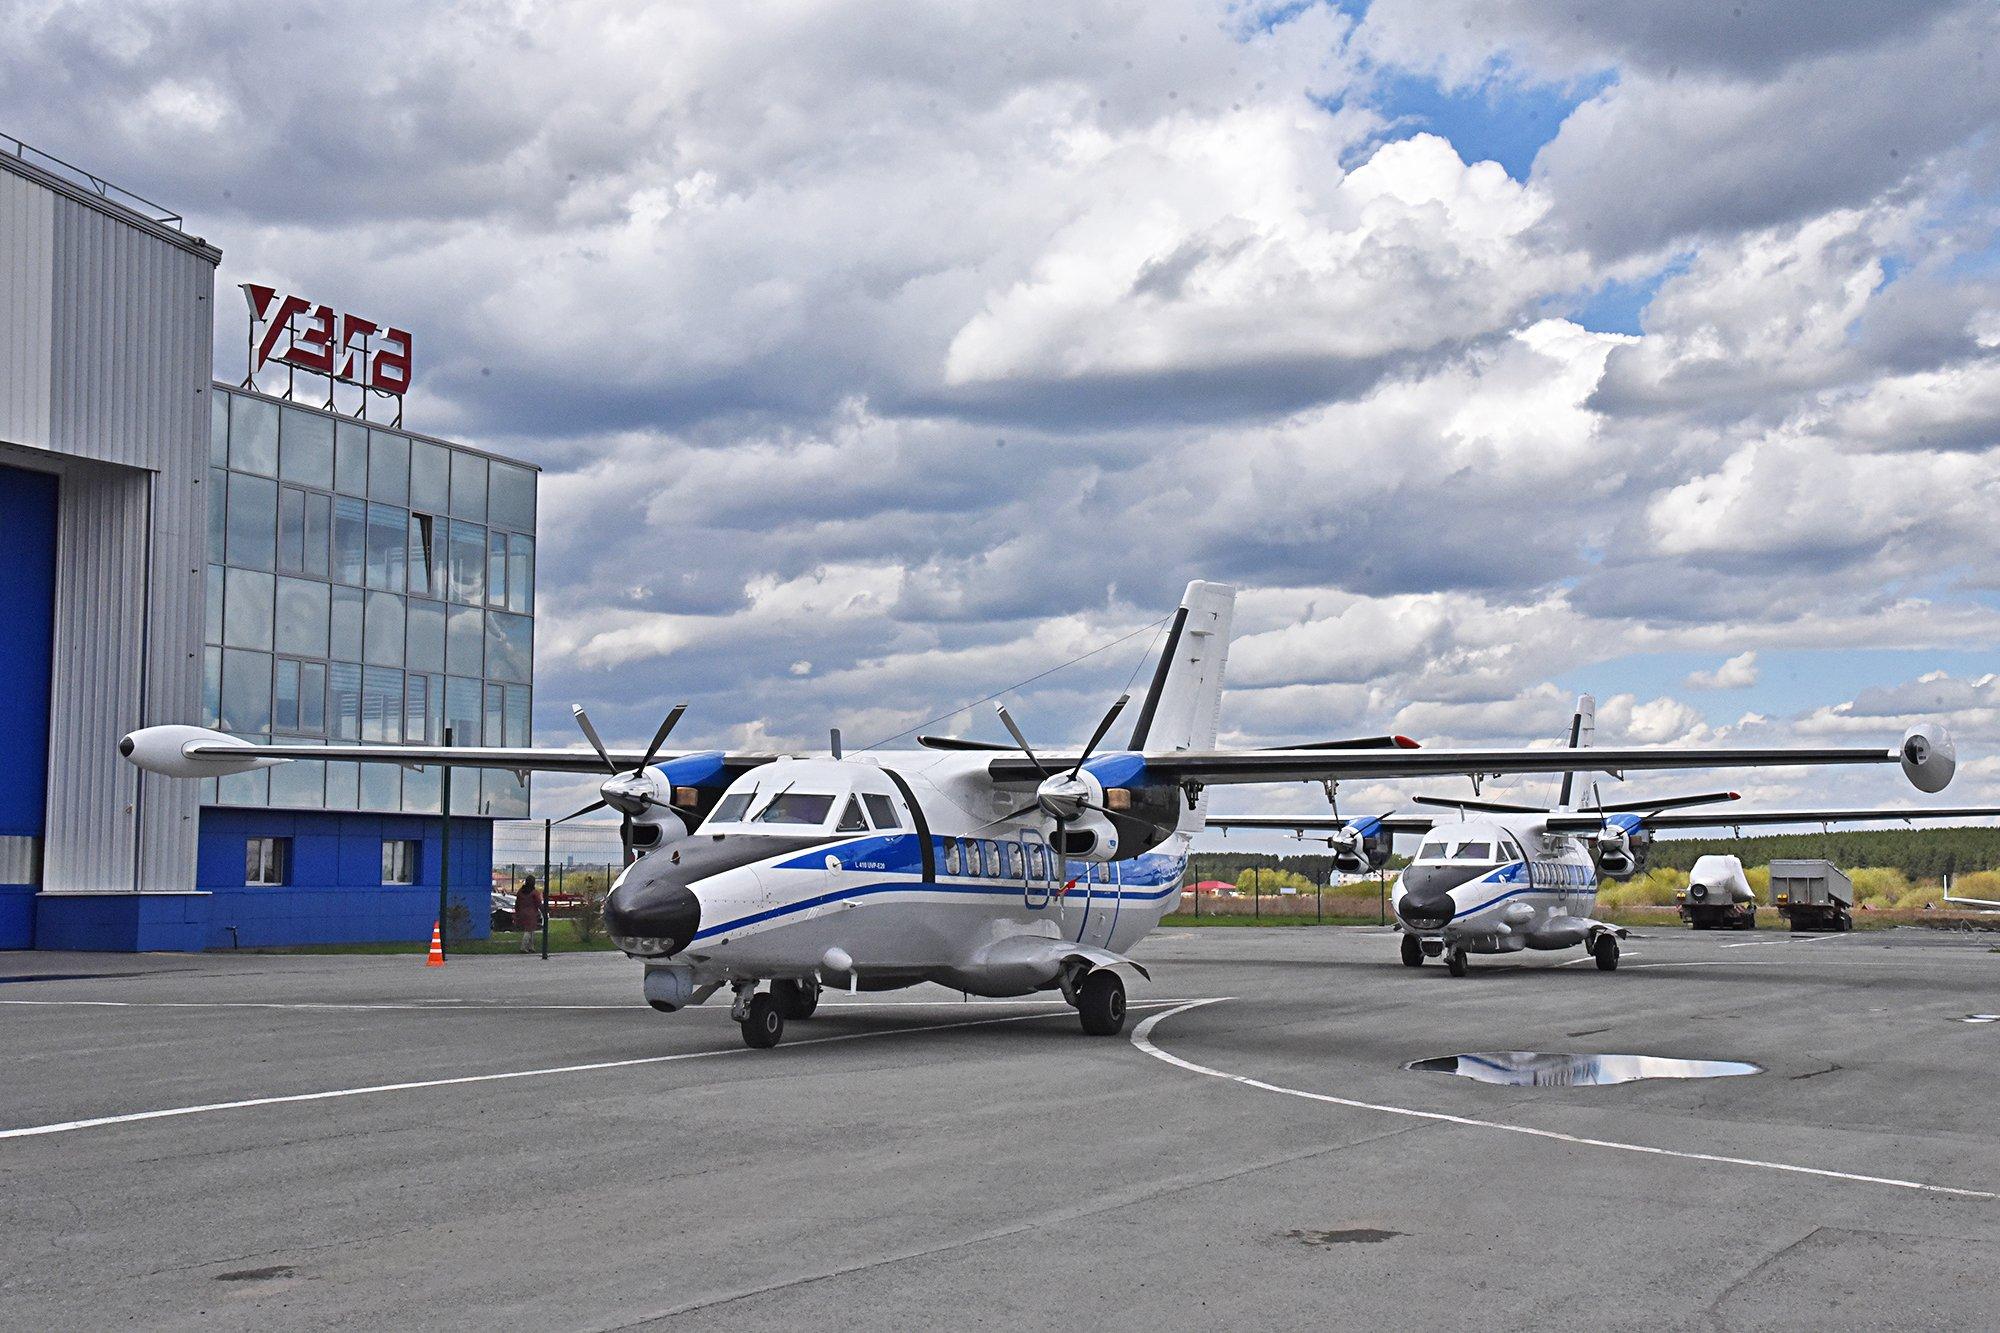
[[27, 624]]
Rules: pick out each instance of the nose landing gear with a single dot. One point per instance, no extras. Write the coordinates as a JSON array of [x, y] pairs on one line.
[[1413, 952]]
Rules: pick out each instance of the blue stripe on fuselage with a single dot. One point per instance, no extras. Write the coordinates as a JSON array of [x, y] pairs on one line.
[[1144, 872]]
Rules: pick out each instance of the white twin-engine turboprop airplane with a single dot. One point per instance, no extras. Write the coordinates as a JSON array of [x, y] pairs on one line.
[[995, 869], [1499, 878]]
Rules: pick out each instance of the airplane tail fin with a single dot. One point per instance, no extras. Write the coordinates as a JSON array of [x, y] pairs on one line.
[[1582, 731], [1183, 705]]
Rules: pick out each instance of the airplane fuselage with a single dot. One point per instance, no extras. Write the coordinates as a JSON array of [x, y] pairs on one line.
[[1498, 885], [874, 872]]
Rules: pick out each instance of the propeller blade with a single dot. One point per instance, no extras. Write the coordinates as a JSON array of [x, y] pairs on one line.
[[1025, 810], [594, 805], [659, 737], [1007, 720], [590, 734], [1117, 707]]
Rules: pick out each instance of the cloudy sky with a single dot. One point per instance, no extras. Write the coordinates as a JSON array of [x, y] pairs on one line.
[[882, 355]]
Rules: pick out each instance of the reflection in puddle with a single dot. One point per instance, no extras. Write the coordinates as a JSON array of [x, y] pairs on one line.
[[1540, 1069]]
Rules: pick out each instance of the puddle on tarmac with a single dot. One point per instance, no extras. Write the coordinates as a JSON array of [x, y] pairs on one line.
[[1538, 1069]]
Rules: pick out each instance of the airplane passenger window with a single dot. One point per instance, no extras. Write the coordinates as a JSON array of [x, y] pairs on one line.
[[731, 809], [952, 863], [851, 820], [797, 807], [990, 856], [882, 810], [1474, 851], [1038, 866], [1009, 867]]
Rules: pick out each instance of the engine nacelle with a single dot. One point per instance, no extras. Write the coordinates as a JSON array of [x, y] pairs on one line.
[[1717, 881], [1928, 757], [163, 750], [1089, 837], [1621, 853], [1356, 852]]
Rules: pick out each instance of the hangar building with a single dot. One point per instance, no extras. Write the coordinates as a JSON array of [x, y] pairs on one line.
[[176, 549]]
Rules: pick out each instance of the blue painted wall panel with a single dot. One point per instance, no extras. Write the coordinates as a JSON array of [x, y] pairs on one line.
[[335, 894], [27, 611], [27, 624]]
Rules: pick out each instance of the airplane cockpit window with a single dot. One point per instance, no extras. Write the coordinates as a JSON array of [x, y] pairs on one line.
[[730, 808], [851, 818], [1433, 851], [796, 807], [1510, 850], [1473, 851], [882, 810]]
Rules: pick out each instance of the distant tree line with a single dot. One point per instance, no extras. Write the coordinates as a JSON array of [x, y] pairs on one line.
[[1928, 853]]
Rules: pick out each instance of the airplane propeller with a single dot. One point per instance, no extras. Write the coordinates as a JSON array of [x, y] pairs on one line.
[[629, 792], [1063, 796]]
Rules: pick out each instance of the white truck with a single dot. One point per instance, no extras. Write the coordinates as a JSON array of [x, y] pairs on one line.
[[1718, 897], [1812, 895]]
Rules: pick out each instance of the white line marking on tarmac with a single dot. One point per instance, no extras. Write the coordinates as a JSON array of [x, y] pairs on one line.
[[1786, 939], [479, 1007], [1142, 1038], [171, 1112]]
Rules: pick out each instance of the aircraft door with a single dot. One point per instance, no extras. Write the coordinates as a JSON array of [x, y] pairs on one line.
[[1073, 889], [1090, 910]]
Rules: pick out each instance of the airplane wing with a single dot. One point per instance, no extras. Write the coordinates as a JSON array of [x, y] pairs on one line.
[[1925, 753], [1305, 825], [1590, 821], [190, 752]]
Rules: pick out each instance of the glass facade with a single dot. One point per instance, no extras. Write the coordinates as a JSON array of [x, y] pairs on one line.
[[365, 585]]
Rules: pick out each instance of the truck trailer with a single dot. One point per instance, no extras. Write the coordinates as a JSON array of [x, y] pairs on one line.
[[1812, 895], [1718, 897]]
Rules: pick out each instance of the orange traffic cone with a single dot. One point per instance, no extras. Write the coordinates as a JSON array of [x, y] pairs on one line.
[[437, 946]]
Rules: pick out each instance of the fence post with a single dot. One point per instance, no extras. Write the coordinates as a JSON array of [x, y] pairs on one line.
[[1257, 891], [1319, 905], [548, 828]]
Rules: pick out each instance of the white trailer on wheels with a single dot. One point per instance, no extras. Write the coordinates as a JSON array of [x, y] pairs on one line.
[[1718, 897]]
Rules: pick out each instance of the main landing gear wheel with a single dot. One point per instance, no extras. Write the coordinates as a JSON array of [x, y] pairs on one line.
[[1413, 952], [1100, 1003], [764, 1025], [1454, 963], [796, 999], [1607, 952]]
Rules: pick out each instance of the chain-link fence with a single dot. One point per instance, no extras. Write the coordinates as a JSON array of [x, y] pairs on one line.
[[1351, 903]]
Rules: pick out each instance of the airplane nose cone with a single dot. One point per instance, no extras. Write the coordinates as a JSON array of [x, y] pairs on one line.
[[652, 917], [1427, 911]]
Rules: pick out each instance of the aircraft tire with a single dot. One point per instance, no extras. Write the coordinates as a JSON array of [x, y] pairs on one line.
[[1607, 953], [1455, 963], [1413, 952], [797, 999], [764, 1025], [1100, 1003]]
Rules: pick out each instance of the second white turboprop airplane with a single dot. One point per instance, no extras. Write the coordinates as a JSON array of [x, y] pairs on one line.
[[1499, 877], [995, 869]]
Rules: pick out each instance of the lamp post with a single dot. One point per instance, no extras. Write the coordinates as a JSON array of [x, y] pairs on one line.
[[444, 847], [548, 828]]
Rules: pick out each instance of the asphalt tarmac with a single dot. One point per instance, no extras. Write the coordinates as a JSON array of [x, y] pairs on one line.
[[254, 1141]]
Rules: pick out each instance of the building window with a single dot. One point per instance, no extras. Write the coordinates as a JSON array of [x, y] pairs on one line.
[[266, 860], [399, 860]]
